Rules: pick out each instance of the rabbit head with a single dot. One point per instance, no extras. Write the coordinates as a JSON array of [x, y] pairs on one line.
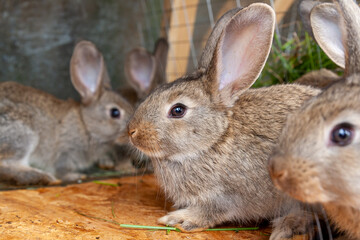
[[317, 158], [144, 70], [104, 112], [190, 114]]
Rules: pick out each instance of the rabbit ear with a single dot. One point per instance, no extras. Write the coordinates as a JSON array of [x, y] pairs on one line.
[[241, 51], [140, 67], [305, 8], [210, 46], [161, 54], [87, 71], [326, 25], [351, 34]]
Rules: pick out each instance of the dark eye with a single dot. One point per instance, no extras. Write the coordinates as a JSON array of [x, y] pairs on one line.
[[115, 113], [342, 134], [177, 111]]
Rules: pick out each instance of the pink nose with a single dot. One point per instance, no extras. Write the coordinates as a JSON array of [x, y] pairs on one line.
[[132, 132], [278, 174]]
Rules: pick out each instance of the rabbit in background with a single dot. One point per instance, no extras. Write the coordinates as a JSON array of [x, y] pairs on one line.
[[144, 72], [209, 136], [318, 78], [43, 139], [317, 158]]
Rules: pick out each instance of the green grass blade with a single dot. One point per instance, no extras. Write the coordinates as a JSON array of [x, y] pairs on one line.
[[233, 229], [106, 183]]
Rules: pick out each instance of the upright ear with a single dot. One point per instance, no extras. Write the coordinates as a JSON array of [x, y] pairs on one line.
[[241, 52], [87, 71], [161, 54], [350, 16], [210, 46], [326, 25], [140, 68], [305, 8]]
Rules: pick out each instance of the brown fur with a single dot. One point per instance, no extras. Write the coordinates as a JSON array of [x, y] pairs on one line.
[[319, 79], [212, 162], [306, 163], [59, 137], [140, 60]]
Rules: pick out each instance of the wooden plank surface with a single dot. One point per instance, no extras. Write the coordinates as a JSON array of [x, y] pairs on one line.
[[53, 212]]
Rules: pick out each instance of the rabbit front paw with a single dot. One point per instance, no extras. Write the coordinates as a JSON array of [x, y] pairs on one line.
[[183, 219], [34, 177], [289, 226], [73, 177], [106, 162]]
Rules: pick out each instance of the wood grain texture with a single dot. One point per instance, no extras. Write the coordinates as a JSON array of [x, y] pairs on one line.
[[52, 213]]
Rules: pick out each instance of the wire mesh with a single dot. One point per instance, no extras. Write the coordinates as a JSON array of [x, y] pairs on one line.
[[187, 24]]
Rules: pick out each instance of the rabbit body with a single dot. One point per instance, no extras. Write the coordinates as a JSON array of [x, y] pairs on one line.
[[317, 158], [39, 131], [209, 136], [226, 179]]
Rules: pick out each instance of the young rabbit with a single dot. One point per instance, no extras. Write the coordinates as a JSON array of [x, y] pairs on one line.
[[144, 72], [317, 158], [209, 136], [319, 78], [38, 131]]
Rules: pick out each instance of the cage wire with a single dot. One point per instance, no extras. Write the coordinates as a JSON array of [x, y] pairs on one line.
[[187, 24]]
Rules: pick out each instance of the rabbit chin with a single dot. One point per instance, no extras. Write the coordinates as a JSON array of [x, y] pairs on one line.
[[311, 192], [152, 153]]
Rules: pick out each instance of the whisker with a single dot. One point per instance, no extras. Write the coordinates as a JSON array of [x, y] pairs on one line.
[[309, 210], [326, 222], [318, 225]]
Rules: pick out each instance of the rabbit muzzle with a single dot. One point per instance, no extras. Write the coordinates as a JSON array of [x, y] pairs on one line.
[[145, 138], [298, 178]]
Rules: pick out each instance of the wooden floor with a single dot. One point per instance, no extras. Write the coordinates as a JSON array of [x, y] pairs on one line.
[[55, 212]]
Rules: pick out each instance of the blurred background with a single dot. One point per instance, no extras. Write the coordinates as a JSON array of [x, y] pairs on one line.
[[37, 38]]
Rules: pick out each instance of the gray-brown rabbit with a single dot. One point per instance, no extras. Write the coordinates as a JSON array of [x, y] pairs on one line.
[[317, 159], [144, 72], [39, 131], [319, 78], [209, 136]]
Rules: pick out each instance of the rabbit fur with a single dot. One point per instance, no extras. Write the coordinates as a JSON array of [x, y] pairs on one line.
[[211, 162], [318, 78], [43, 138], [144, 72], [317, 158]]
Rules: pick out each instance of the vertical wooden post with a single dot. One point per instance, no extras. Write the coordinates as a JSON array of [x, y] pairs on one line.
[[181, 24]]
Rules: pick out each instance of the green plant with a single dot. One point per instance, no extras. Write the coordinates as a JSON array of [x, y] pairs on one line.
[[290, 60]]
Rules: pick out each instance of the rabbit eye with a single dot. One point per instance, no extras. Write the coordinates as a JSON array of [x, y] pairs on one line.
[[115, 112], [177, 111], [342, 134]]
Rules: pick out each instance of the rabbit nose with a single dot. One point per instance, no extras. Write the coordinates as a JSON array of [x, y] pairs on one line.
[[279, 177], [278, 174], [132, 132]]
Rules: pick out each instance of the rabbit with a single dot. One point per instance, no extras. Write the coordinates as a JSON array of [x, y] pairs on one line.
[[144, 72], [318, 78], [44, 139], [209, 136], [317, 157]]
